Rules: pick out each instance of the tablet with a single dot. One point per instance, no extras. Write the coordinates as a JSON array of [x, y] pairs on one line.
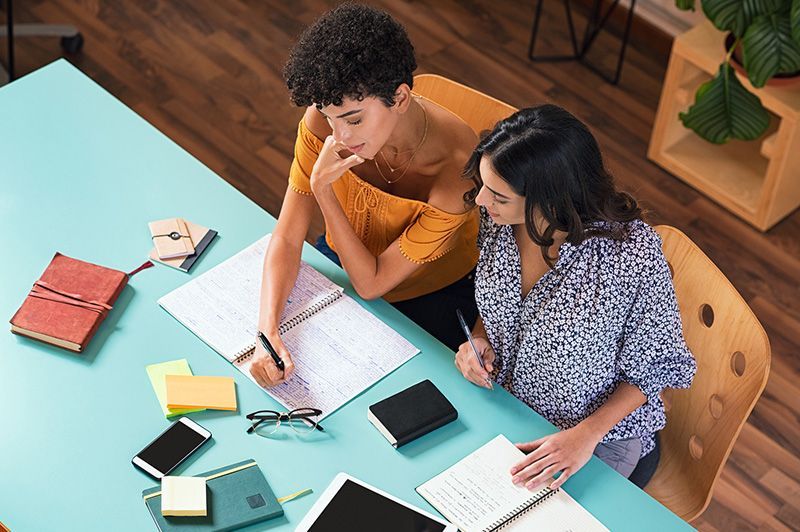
[[351, 504]]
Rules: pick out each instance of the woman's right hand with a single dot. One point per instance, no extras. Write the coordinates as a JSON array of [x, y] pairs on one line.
[[468, 365], [329, 165], [263, 368]]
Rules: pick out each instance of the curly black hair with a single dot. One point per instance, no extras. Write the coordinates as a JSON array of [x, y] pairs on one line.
[[352, 51]]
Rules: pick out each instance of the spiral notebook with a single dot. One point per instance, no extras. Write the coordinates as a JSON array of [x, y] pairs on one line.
[[477, 495], [338, 347]]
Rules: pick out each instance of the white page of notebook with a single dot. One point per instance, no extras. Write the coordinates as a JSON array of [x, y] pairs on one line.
[[558, 513], [477, 491], [338, 352], [221, 305]]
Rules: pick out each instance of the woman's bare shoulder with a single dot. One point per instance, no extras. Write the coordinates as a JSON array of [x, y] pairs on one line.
[[316, 123], [453, 131], [456, 140]]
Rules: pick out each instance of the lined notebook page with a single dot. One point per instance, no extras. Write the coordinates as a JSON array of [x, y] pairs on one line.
[[338, 347], [477, 493], [338, 353], [221, 305], [559, 513]]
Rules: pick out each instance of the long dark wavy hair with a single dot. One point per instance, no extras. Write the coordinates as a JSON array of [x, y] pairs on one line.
[[551, 158]]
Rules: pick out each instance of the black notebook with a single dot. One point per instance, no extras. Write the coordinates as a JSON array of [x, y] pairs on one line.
[[407, 415]]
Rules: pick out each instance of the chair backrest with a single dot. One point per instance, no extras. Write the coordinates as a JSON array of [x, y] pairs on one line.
[[733, 357], [480, 111]]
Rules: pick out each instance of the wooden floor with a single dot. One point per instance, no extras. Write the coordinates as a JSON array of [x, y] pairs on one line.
[[208, 74]]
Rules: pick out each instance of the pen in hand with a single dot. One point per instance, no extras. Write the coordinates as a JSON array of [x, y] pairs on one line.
[[271, 350], [464, 326]]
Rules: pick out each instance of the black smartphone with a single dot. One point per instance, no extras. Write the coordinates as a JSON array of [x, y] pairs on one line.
[[171, 447]]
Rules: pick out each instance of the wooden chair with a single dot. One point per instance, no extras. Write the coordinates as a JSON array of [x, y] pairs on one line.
[[480, 111], [733, 358]]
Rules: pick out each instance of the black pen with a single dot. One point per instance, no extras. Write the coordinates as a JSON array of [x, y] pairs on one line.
[[270, 350]]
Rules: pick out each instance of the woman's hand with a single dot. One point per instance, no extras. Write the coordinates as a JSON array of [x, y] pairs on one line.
[[566, 451], [468, 365], [263, 368], [330, 165]]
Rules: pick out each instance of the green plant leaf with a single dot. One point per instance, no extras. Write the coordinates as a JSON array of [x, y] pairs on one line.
[[794, 20], [769, 48], [724, 109], [737, 15], [685, 5]]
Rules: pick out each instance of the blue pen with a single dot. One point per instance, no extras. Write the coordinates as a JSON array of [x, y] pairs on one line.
[[463, 323]]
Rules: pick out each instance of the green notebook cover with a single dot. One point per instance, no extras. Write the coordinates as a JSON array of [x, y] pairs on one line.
[[235, 500]]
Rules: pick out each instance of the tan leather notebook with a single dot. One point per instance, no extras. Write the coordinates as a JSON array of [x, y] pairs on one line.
[[201, 239], [171, 238], [190, 391]]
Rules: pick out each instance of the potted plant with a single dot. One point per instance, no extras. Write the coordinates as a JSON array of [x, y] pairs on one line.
[[768, 32]]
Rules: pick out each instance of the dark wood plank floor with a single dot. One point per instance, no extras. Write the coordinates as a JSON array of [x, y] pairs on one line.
[[208, 74]]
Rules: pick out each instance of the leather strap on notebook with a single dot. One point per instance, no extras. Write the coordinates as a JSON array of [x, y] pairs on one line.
[[44, 290], [179, 235], [144, 266]]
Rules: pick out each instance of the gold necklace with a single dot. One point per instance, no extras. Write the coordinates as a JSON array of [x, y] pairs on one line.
[[407, 164]]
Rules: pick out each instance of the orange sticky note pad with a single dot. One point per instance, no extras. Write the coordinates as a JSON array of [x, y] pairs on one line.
[[191, 391]]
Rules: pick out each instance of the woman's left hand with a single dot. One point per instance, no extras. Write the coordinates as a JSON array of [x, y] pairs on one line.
[[566, 451]]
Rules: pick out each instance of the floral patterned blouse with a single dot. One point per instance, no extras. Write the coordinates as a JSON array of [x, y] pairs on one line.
[[605, 314]]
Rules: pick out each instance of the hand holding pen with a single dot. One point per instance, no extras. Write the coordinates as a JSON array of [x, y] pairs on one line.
[[272, 364], [475, 357]]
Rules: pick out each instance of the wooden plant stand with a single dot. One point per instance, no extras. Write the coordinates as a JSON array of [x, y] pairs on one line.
[[759, 180]]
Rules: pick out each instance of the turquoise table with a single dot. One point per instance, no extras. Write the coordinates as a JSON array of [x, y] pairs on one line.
[[82, 174]]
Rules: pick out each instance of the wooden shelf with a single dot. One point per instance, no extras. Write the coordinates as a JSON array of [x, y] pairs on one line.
[[735, 173], [758, 180]]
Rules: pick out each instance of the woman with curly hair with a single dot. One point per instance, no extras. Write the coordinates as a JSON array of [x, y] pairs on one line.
[[384, 167]]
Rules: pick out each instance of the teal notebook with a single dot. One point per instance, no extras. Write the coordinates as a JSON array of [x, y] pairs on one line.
[[238, 495]]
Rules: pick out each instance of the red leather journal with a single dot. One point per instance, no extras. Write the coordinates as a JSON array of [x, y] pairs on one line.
[[69, 302]]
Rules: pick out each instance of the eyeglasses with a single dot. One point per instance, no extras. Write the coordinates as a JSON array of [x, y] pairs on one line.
[[302, 420]]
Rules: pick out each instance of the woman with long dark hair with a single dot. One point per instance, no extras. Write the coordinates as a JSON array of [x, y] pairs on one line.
[[577, 312]]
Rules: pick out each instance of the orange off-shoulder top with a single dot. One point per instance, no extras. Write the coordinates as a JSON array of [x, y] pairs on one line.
[[442, 242]]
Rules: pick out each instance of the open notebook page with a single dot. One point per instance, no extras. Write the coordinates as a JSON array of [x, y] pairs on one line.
[[338, 353], [558, 513], [477, 493], [221, 305]]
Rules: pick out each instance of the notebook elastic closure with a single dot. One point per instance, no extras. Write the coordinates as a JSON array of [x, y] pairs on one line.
[[212, 477], [171, 238]]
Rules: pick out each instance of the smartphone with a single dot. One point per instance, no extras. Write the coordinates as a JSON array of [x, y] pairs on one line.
[[171, 447]]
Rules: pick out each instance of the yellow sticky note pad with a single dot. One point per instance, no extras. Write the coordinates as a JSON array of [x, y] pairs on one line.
[[157, 374], [188, 391], [183, 496]]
